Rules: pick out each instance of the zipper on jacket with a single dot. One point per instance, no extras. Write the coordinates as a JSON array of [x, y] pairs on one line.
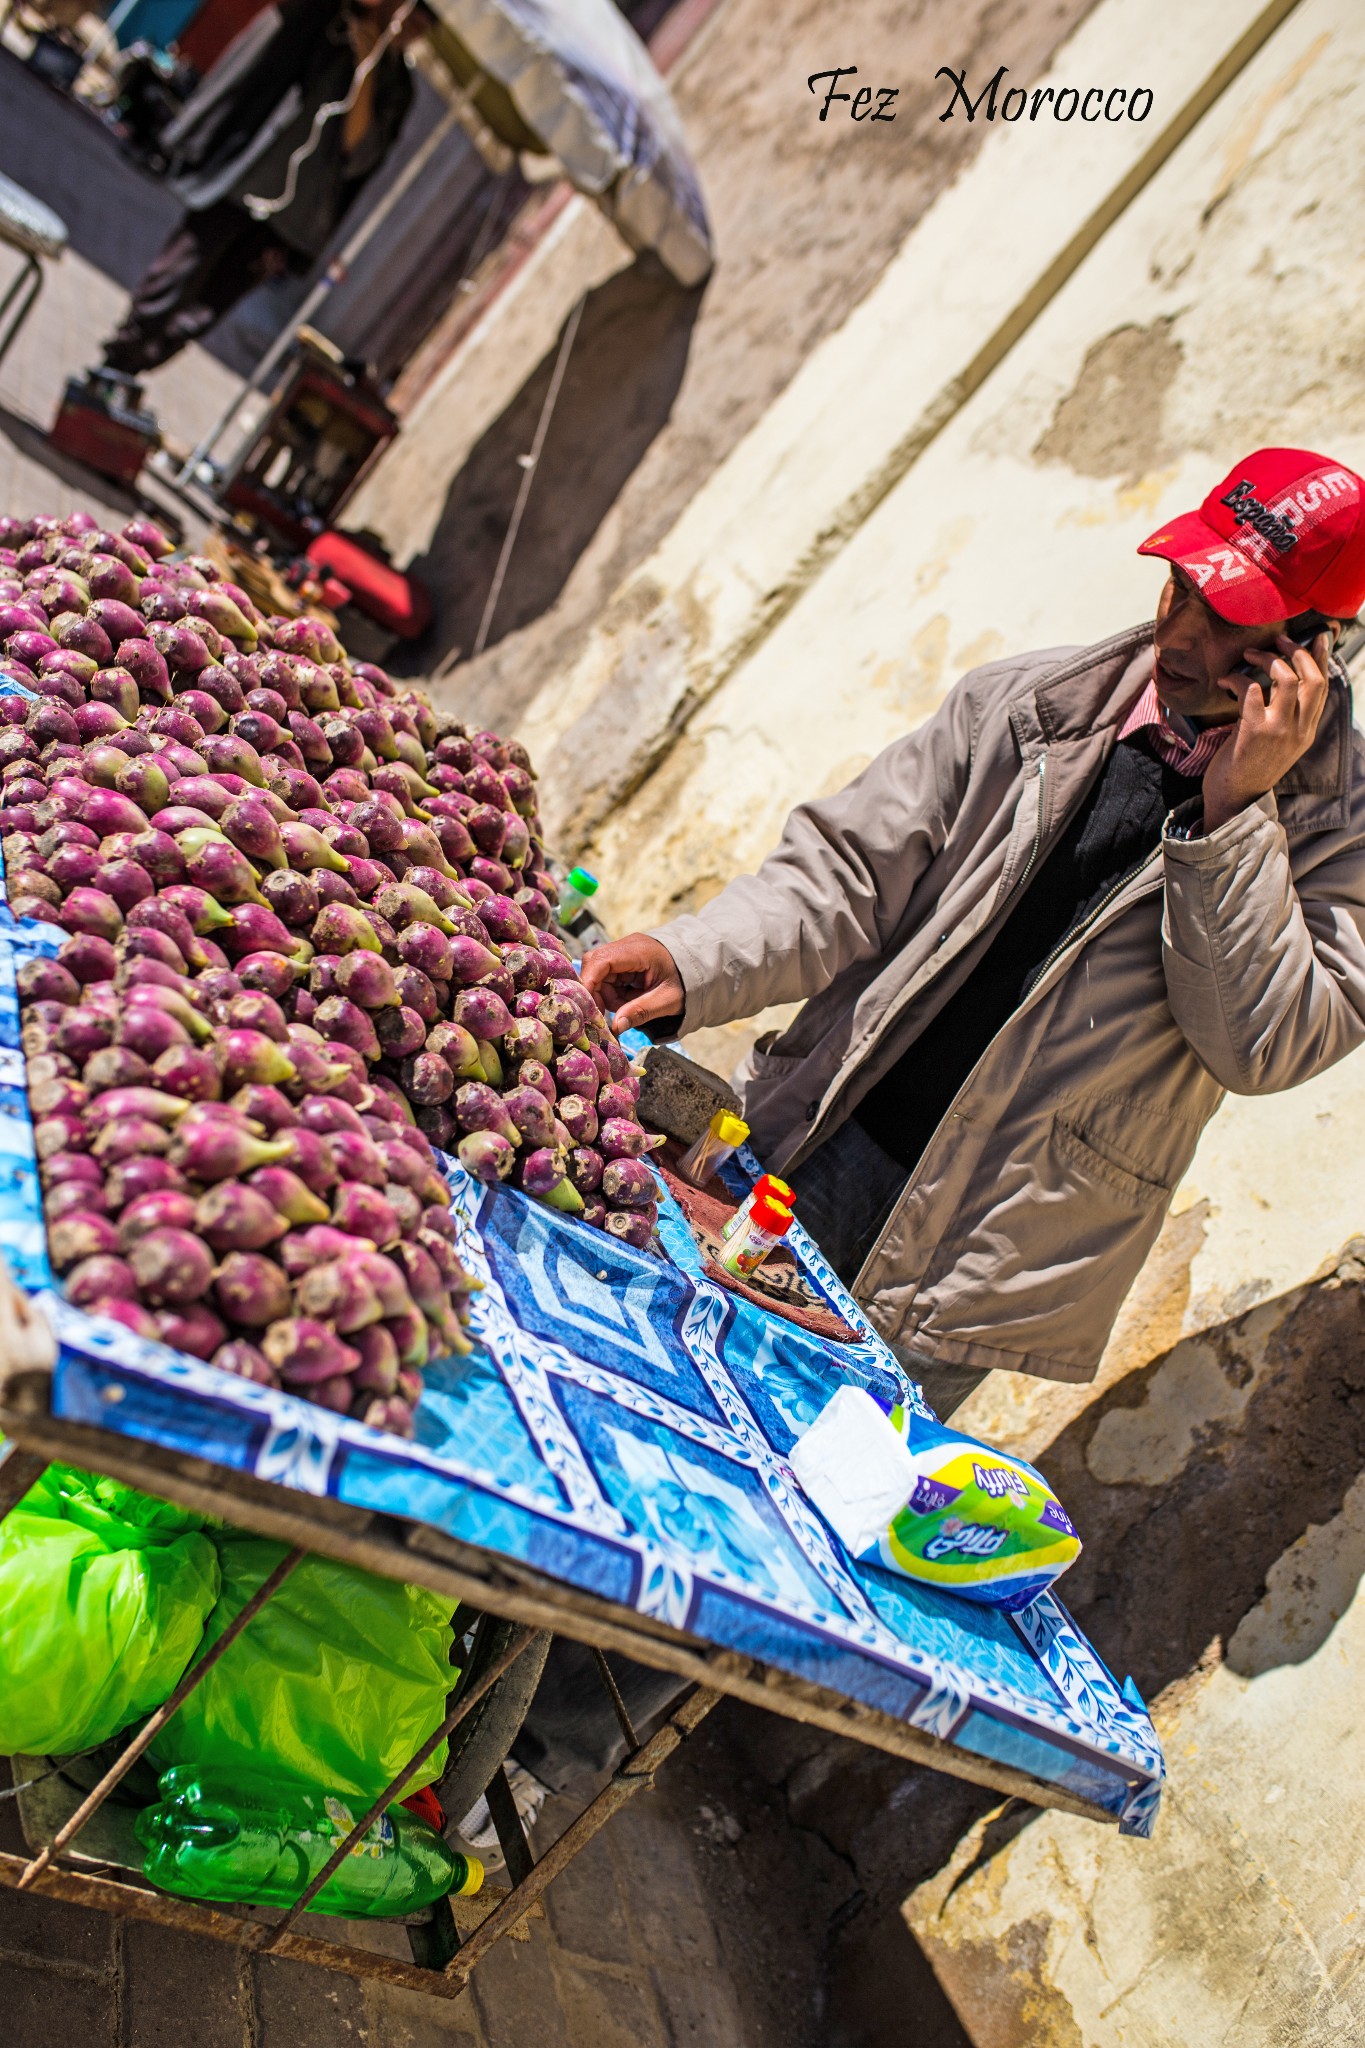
[[1079, 931], [1073, 937], [1038, 827]]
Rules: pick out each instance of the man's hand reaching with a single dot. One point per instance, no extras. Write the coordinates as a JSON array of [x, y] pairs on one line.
[[637, 979], [1272, 731]]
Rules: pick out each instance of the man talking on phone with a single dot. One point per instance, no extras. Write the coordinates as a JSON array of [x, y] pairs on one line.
[[1041, 936]]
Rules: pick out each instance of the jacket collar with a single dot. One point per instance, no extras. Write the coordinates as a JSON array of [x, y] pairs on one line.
[[1089, 692]]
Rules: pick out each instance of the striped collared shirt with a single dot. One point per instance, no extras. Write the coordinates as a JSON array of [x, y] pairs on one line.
[[1188, 758]]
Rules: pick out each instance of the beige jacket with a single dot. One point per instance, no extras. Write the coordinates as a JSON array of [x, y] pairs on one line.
[[1232, 961]]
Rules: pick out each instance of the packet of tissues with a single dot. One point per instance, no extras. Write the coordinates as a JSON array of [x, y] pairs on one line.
[[925, 1501]]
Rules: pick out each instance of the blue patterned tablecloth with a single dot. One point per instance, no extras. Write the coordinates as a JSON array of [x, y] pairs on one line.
[[624, 1427]]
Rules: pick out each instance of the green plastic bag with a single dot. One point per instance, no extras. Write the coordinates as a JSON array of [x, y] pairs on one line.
[[337, 1681], [104, 1592]]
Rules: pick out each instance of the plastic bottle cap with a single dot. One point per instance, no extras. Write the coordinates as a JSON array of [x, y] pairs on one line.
[[774, 1217], [776, 1190], [729, 1130], [580, 879], [473, 1879]]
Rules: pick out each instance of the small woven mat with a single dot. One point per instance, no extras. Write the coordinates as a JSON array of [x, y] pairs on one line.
[[779, 1285]]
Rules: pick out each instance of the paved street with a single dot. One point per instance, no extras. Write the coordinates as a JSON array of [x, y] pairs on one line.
[[117, 218], [701, 1917]]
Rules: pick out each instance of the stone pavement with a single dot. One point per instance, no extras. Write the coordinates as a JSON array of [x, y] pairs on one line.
[[701, 1917], [117, 218]]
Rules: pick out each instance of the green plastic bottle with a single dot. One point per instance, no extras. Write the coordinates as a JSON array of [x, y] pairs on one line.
[[577, 891], [223, 1835]]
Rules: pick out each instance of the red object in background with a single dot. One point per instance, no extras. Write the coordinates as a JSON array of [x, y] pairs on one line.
[[203, 42], [379, 590], [102, 424]]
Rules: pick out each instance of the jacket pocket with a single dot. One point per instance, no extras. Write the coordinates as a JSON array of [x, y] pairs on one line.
[[765, 1064], [1099, 1159]]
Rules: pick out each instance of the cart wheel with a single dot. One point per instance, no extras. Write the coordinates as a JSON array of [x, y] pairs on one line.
[[481, 1741]]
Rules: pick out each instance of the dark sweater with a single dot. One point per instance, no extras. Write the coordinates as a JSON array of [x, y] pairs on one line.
[[1116, 827]]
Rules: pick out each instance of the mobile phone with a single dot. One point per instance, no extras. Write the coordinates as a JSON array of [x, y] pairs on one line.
[[1303, 631]]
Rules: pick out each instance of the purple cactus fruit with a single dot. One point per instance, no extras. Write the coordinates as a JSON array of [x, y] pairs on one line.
[[79, 1236], [163, 1209], [269, 974], [150, 1031], [305, 1351], [153, 1103], [401, 1032], [158, 853], [356, 1157], [74, 1197], [629, 1184], [542, 1170], [341, 1292], [256, 929], [235, 1218], [345, 1023], [366, 979], [487, 1156], [306, 849], [288, 1196], [250, 826], [620, 1138], [129, 1138], [118, 1066], [614, 1103], [188, 1071], [171, 1266], [145, 1176], [560, 1013], [193, 1327], [246, 1362], [417, 992], [316, 1246], [632, 1226], [531, 1114], [585, 1169], [250, 1289], [215, 865], [249, 1055], [424, 947], [100, 1278], [218, 1150], [577, 1075], [377, 1372], [91, 912], [579, 1118], [364, 1212], [41, 980], [482, 1013], [534, 1074], [291, 895], [139, 945], [342, 928], [526, 967], [427, 1079], [253, 1010], [504, 921], [478, 1107]]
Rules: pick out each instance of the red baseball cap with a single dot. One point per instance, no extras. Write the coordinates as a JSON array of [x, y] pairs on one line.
[[1283, 533]]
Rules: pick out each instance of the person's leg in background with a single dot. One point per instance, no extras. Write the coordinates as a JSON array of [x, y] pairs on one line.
[[210, 260]]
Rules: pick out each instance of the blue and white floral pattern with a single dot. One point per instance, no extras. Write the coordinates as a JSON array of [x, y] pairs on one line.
[[623, 1426]]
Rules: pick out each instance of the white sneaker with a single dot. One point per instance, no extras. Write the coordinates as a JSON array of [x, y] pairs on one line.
[[528, 1795]]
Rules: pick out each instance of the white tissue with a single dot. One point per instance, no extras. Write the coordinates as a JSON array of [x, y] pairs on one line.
[[856, 1468]]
